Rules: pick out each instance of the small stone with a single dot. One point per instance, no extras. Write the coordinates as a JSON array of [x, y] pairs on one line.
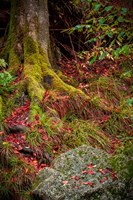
[[17, 129]]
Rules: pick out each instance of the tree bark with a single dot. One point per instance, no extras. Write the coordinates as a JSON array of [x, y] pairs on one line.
[[29, 45]]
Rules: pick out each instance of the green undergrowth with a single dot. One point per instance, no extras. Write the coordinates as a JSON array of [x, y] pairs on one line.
[[15, 174], [86, 132], [122, 161]]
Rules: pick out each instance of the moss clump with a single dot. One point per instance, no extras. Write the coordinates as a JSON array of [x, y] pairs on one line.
[[31, 47], [34, 80], [37, 68]]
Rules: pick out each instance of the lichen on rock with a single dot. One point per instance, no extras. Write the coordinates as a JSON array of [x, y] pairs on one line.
[[81, 173]]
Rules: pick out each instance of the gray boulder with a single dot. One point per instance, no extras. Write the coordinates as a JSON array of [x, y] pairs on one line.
[[81, 173]]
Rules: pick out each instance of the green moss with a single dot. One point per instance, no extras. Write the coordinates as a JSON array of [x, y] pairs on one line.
[[35, 90], [9, 50], [33, 75], [36, 68], [58, 84], [122, 161], [30, 47], [34, 109], [14, 63]]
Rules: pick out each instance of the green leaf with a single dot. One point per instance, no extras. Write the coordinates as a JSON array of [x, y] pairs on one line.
[[102, 55], [120, 19], [116, 53], [130, 102], [88, 26], [3, 63], [125, 50], [78, 27], [123, 11], [101, 20], [110, 34], [111, 17], [93, 60], [97, 6], [92, 40], [127, 74], [121, 34], [108, 8]]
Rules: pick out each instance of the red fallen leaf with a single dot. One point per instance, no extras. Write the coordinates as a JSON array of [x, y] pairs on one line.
[[56, 152], [17, 142], [45, 137], [105, 118], [84, 172], [16, 151], [13, 180], [103, 171], [91, 172], [19, 147], [103, 180], [65, 182], [41, 130], [114, 176], [34, 154], [43, 165], [35, 162], [1, 132], [90, 166], [75, 177], [37, 116], [23, 137], [88, 183], [56, 148]]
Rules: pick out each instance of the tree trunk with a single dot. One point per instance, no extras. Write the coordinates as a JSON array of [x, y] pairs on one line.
[[28, 45]]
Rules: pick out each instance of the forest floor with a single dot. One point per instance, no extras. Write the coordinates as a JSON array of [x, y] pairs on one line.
[[108, 83], [104, 122]]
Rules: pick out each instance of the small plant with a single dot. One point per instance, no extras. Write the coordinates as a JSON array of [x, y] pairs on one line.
[[3, 64], [34, 138], [5, 153], [5, 78]]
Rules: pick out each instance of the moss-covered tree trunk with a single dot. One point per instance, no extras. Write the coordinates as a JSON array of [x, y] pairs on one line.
[[29, 45]]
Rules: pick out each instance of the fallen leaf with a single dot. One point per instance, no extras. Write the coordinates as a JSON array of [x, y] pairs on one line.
[[91, 172], [90, 166], [84, 172], [88, 183], [103, 180], [114, 176], [26, 170], [75, 177], [65, 182], [103, 171]]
